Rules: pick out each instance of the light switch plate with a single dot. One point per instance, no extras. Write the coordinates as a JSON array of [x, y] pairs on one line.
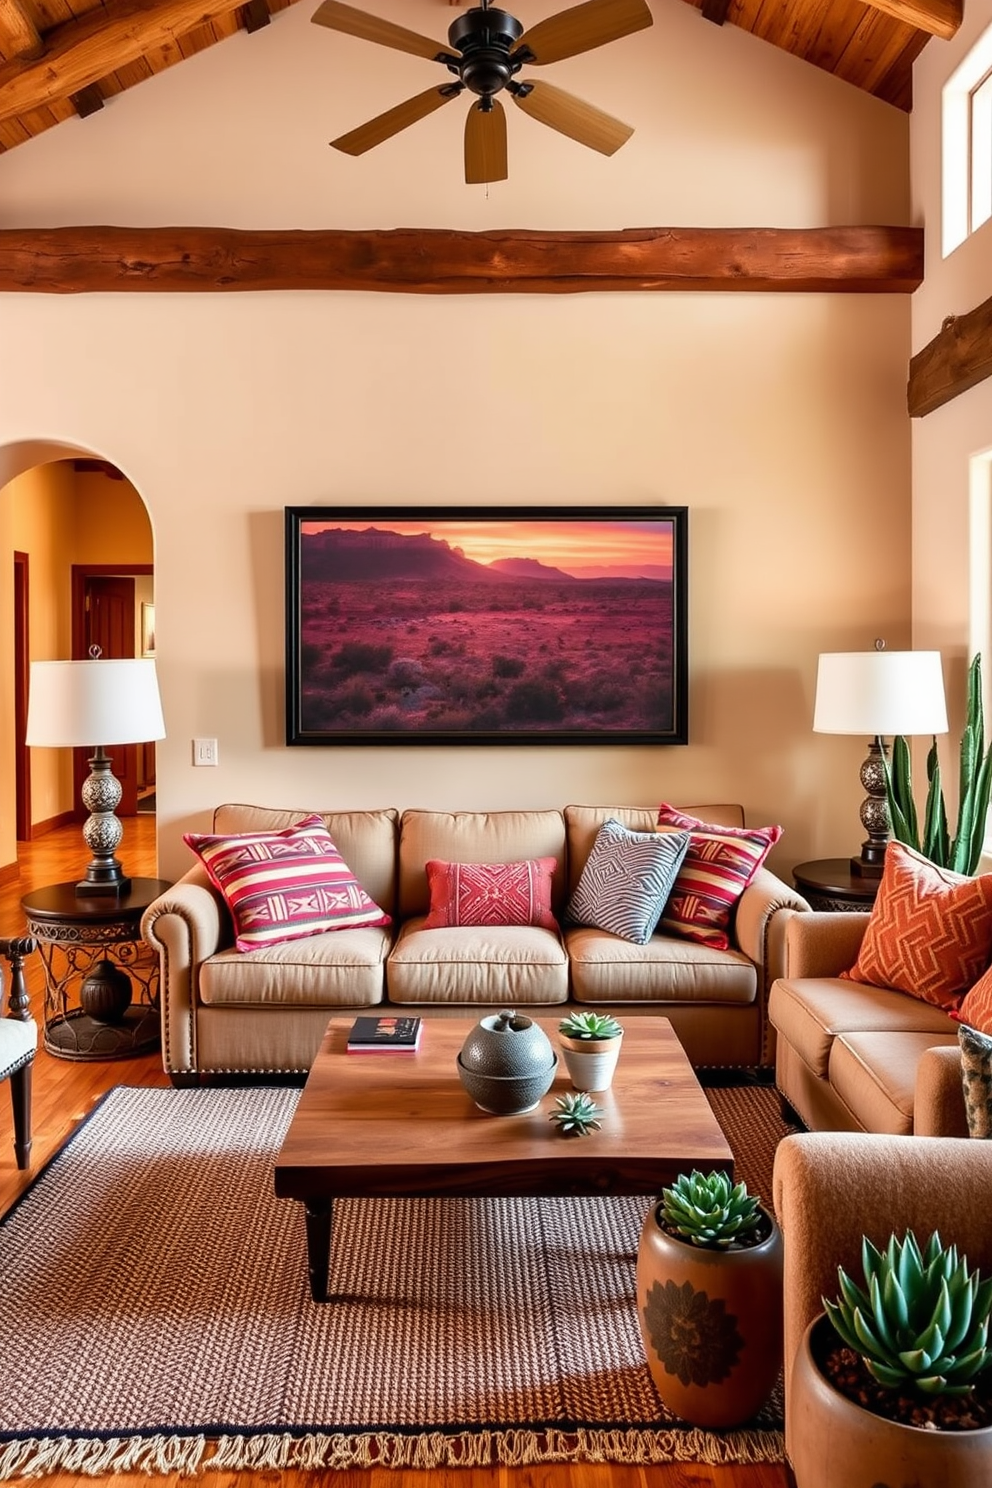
[[205, 751]]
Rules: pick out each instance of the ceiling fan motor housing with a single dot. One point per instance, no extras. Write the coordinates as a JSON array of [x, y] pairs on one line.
[[484, 38]]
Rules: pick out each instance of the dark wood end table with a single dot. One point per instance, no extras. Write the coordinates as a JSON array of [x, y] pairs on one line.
[[401, 1125], [830, 884], [90, 946]]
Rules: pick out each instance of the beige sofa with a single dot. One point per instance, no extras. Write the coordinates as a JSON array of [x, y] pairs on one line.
[[264, 1012], [852, 1057]]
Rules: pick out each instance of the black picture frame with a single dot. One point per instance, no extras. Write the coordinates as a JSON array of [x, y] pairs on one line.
[[462, 625]]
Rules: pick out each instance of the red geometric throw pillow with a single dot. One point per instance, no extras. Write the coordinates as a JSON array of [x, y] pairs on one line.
[[719, 865], [490, 894], [930, 930], [284, 885], [976, 1009]]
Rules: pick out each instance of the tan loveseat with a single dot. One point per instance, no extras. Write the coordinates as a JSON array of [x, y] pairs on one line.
[[852, 1057], [265, 1011]]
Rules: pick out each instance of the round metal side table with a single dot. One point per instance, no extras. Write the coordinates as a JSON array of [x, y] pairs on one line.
[[828, 883], [101, 979]]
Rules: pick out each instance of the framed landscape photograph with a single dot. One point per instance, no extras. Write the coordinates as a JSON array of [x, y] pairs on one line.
[[503, 625]]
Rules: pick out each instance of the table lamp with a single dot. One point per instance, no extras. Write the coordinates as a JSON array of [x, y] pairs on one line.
[[879, 693], [76, 703]]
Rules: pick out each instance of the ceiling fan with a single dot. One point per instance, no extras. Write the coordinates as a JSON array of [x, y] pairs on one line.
[[486, 49]]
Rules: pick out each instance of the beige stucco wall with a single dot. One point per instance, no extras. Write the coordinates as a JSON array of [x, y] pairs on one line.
[[952, 447], [778, 419]]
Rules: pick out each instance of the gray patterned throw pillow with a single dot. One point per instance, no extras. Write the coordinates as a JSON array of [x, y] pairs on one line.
[[626, 881], [976, 1079]]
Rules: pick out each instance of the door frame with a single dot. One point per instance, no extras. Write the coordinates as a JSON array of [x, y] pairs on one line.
[[81, 573]]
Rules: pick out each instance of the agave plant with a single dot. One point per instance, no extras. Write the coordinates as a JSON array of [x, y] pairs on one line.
[[588, 1025], [711, 1211], [577, 1114], [962, 852], [924, 1320]]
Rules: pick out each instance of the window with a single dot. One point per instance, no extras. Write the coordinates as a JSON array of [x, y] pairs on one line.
[[967, 145]]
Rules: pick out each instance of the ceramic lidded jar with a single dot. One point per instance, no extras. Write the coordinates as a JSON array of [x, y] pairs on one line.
[[507, 1063]]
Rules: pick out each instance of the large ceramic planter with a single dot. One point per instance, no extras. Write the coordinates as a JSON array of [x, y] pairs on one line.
[[711, 1323], [591, 1063], [832, 1440]]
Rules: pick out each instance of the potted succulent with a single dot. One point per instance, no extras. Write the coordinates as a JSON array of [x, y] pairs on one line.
[[893, 1383], [590, 1044], [709, 1299]]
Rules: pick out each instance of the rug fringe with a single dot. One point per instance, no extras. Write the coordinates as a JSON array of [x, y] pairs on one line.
[[37, 1457], [508, 1448]]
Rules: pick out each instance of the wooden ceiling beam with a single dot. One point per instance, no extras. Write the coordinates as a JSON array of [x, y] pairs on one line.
[[80, 260], [958, 357], [18, 33], [937, 17], [87, 101], [81, 52]]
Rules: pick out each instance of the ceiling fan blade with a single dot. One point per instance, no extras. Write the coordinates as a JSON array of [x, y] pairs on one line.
[[373, 28], [582, 28], [573, 116], [485, 144], [384, 126]]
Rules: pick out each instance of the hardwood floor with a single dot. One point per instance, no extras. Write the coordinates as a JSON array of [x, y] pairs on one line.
[[65, 1090]]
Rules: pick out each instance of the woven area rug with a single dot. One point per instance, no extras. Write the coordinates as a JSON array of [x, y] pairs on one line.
[[158, 1316]]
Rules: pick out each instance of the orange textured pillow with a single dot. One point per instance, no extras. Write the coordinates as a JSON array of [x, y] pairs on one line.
[[930, 930], [976, 1010]]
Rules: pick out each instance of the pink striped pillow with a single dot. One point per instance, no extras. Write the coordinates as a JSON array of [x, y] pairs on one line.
[[490, 893], [719, 865], [284, 885]]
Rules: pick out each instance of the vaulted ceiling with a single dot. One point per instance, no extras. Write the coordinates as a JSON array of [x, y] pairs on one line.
[[63, 59]]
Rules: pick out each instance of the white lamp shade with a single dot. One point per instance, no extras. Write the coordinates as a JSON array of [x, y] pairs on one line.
[[880, 693], [94, 703]]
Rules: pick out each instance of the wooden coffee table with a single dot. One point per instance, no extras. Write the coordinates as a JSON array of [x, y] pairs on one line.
[[402, 1126]]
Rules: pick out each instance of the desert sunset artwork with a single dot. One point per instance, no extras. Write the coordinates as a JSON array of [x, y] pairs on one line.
[[501, 625]]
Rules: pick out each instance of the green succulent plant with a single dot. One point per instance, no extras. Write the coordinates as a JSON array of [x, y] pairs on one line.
[[592, 1026], [577, 1114], [924, 1320], [710, 1210], [962, 851]]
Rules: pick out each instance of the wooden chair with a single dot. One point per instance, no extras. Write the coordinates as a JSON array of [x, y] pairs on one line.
[[18, 1042]]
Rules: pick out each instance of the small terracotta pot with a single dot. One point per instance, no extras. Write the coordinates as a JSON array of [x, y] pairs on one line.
[[832, 1440], [591, 1063], [711, 1323]]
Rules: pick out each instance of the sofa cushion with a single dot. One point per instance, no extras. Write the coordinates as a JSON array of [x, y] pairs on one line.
[[475, 837], [875, 1076], [490, 893], [342, 968], [582, 823], [284, 885], [502, 965], [365, 839], [627, 878], [976, 1080], [665, 970], [809, 1012], [719, 865], [929, 933]]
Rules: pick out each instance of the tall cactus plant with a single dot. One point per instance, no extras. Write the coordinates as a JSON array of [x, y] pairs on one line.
[[962, 852]]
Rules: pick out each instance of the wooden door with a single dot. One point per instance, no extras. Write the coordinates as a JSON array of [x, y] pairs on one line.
[[108, 622]]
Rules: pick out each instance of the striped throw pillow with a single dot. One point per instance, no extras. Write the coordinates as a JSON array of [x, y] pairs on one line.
[[626, 880], [284, 885], [719, 865]]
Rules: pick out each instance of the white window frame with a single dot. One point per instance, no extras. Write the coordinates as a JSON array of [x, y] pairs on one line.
[[966, 146]]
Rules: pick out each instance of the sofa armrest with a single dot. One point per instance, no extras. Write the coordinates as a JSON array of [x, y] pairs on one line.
[[763, 913], [938, 1097], [831, 1188], [185, 925], [821, 944]]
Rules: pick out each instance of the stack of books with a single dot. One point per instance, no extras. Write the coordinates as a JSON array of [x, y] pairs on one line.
[[385, 1035]]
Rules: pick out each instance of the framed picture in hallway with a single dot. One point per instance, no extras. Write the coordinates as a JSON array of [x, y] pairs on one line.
[[147, 630], [506, 625]]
